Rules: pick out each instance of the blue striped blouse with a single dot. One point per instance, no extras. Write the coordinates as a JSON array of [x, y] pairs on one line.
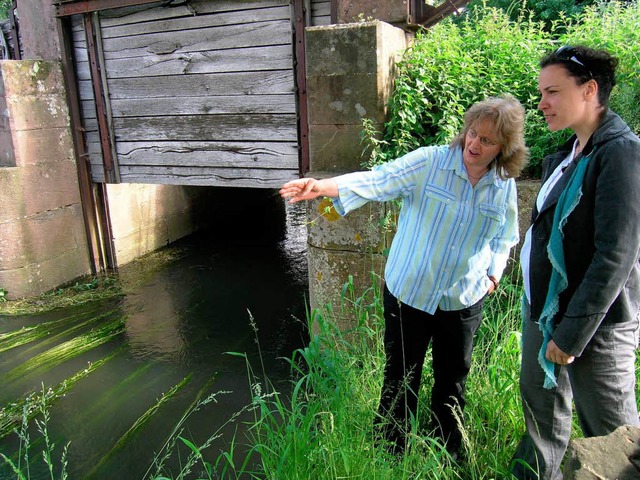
[[450, 235]]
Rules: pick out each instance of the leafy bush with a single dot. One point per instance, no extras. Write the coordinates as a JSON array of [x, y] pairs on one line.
[[5, 5], [614, 27], [457, 63], [545, 11]]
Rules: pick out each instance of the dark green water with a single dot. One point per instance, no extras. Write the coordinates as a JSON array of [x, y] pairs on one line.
[[173, 330]]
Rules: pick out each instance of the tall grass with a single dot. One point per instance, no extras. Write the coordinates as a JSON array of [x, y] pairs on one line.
[[323, 428]]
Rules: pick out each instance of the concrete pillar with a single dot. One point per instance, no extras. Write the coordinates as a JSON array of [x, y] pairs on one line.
[[350, 71], [395, 12], [39, 37], [42, 236]]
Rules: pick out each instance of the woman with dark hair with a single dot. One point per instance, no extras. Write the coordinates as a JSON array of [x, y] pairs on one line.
[[580, 266], [456, 226]]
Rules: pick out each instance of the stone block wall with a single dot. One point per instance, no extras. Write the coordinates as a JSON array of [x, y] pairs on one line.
[[349, 78], [42, 237]]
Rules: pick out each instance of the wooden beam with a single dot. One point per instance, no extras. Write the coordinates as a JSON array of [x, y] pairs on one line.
[[423, 15], [65, 9]]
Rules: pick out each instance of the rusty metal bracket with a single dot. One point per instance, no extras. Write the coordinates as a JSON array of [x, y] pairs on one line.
[[101, 97], [300, 13]]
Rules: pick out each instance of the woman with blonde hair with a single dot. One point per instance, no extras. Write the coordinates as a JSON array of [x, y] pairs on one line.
[[456, 226]]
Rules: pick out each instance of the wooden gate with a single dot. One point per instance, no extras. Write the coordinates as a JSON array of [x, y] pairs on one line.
[[203, 93]]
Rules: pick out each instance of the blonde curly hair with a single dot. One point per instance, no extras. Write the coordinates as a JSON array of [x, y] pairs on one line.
[[507, 115]]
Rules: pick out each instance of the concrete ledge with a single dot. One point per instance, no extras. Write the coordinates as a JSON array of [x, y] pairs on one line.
[[30, 77], [345, 99], [42, 237], [30, 112], [336, 148]]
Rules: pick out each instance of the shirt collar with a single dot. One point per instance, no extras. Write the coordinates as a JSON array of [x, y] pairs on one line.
[[454, 162]]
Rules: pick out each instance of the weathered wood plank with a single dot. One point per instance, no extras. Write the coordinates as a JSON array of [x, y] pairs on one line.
[[196, 22], [234, 83], [151, 12], [207, 127], [205, 39], [209, 154], [276, 57], [235, 104], [253, 178]]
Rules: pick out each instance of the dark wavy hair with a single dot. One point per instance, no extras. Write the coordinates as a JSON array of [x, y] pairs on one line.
[[507, 115], [584, 64]]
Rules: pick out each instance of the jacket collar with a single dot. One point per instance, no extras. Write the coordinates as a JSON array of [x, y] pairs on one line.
[[611, 126]]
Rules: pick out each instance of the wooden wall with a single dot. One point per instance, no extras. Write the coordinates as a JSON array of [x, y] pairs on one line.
[[200, 94], [320, 12]]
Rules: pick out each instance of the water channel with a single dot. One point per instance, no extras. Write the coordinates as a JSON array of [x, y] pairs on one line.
[[154, 350]]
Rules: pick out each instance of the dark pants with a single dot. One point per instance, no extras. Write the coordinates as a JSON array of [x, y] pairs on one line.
[[408, 332]]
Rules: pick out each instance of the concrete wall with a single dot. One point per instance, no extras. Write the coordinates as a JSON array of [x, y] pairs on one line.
[[393, 12], [349, 77], [42, 236]]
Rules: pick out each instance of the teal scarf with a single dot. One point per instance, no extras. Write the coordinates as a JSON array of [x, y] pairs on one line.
[[567, 202]]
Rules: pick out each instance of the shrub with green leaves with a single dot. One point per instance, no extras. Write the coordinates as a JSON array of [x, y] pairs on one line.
[[457, 63], [546, 11], [615, 26]]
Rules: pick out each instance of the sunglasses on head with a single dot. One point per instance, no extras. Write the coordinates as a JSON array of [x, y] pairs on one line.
[[570, 54]]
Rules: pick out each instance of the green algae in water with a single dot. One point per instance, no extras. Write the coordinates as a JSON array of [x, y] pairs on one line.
[[143, 419], [67, 350], [11, 414], [43, 330]]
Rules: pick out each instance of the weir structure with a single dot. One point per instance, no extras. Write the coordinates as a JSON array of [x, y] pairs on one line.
[[128, 124]]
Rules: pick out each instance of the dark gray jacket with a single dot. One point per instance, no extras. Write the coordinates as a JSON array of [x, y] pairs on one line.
[[601, 238]]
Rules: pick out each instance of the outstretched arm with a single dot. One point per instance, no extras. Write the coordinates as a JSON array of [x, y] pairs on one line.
[[308, 189]]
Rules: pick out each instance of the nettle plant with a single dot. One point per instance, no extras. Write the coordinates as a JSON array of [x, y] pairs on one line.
[[457, 63]]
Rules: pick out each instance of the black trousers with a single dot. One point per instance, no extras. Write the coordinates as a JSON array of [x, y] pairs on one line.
[[408, 333]]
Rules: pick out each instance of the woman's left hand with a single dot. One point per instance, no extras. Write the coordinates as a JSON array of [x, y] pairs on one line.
[[494, 284], [555, 355]]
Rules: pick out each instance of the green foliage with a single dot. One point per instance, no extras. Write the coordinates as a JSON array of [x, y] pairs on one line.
[[5, 6], [487, 53], [545, 11], [453, 65], [614, 26], [87, 290]]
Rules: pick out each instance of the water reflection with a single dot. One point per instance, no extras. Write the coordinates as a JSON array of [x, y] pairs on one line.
[[161, 345]]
